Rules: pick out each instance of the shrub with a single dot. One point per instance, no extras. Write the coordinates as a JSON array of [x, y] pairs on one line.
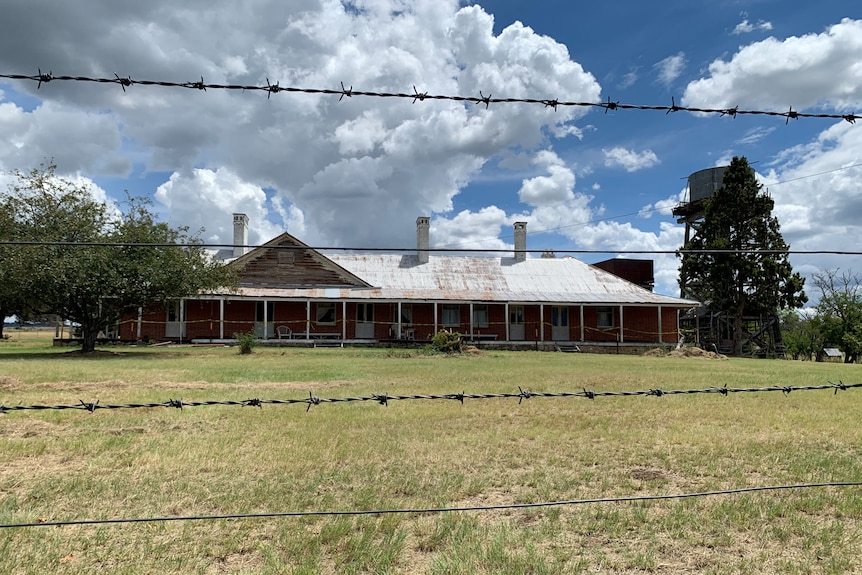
[[446, 341], [246, 340]]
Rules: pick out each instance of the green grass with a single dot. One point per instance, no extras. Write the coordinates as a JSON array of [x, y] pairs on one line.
[[65, 465]]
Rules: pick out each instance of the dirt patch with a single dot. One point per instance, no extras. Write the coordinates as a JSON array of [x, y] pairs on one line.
[[648, 475], [473, 350], [692, 352]]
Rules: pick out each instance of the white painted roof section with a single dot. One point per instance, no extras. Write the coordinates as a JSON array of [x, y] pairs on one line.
[[464, 278]]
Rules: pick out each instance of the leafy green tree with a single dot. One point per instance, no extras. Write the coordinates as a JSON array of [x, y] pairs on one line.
[[802, 335], [839, 311], [737, 261], [78, 258], [11, 298]]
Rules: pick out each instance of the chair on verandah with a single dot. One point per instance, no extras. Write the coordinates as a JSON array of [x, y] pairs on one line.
[[284, 332]]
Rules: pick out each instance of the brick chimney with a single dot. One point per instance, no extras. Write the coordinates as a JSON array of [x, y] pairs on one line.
[[240, 234], [422, 225], [520, 241]]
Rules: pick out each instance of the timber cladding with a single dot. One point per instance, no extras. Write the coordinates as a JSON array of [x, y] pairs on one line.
[[286, 262]]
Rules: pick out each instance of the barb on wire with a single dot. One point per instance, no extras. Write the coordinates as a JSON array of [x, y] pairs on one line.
[[419, 96], [384, 399], [123, 82], [455, 396], [312, 401], [435, 510], [91, 407], [348, 92], [42, 78]]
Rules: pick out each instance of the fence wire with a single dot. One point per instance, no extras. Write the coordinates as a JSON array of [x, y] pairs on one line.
[[417, 96], [433, 510], [384, 399]]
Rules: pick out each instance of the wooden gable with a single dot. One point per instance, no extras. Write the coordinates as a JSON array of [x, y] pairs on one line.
[[287, 262]]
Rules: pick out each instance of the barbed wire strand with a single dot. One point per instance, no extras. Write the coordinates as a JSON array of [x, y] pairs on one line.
[[21, 243], [417, 96], [384, 399], [434, 510]]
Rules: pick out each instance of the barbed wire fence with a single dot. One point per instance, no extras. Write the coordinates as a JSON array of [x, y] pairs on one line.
[[418, 96], [384, 399]]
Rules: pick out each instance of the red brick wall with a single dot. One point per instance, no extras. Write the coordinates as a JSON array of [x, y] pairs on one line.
[[202, 321], [532, 323]]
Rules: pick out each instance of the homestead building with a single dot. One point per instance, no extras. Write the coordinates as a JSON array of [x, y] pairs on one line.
[[292, 294]]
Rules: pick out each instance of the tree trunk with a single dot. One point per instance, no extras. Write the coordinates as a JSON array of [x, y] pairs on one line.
[[89, 333]]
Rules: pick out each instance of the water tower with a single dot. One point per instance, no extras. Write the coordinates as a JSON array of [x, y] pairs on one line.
[[714, 328], [701, 186]]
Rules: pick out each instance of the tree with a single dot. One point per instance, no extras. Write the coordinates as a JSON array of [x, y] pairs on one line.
[[77, 257], [802, 335], [839, 311], [737, 261], [11, 297]]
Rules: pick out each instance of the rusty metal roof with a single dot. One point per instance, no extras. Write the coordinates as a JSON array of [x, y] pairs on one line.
[[463, 278]]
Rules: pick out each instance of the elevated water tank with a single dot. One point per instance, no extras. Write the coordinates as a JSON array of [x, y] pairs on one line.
[[704, 183]]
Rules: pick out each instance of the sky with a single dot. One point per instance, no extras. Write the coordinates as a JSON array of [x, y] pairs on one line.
[[358, 171]]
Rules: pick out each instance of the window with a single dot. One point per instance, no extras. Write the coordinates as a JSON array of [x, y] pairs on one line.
[[175, 311], [516, 315], [326, 313], [605, 317], [480, 315], [559, 316], [407, 313], [258, 312], [451, 314], [365, 312]]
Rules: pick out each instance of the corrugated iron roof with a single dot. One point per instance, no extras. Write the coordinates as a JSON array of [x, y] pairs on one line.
[[465, 278]]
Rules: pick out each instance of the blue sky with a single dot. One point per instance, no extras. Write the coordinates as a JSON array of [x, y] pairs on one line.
[[358, 172]]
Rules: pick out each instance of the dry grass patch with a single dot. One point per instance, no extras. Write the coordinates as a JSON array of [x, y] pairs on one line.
[[426, 454]]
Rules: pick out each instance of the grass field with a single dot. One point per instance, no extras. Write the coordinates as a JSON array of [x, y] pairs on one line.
[[213, 460]]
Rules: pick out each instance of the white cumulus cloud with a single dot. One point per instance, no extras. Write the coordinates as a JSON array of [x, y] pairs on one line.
[[349, 171], [746, 27], [554, 188], [630, 160], [803, 71]]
